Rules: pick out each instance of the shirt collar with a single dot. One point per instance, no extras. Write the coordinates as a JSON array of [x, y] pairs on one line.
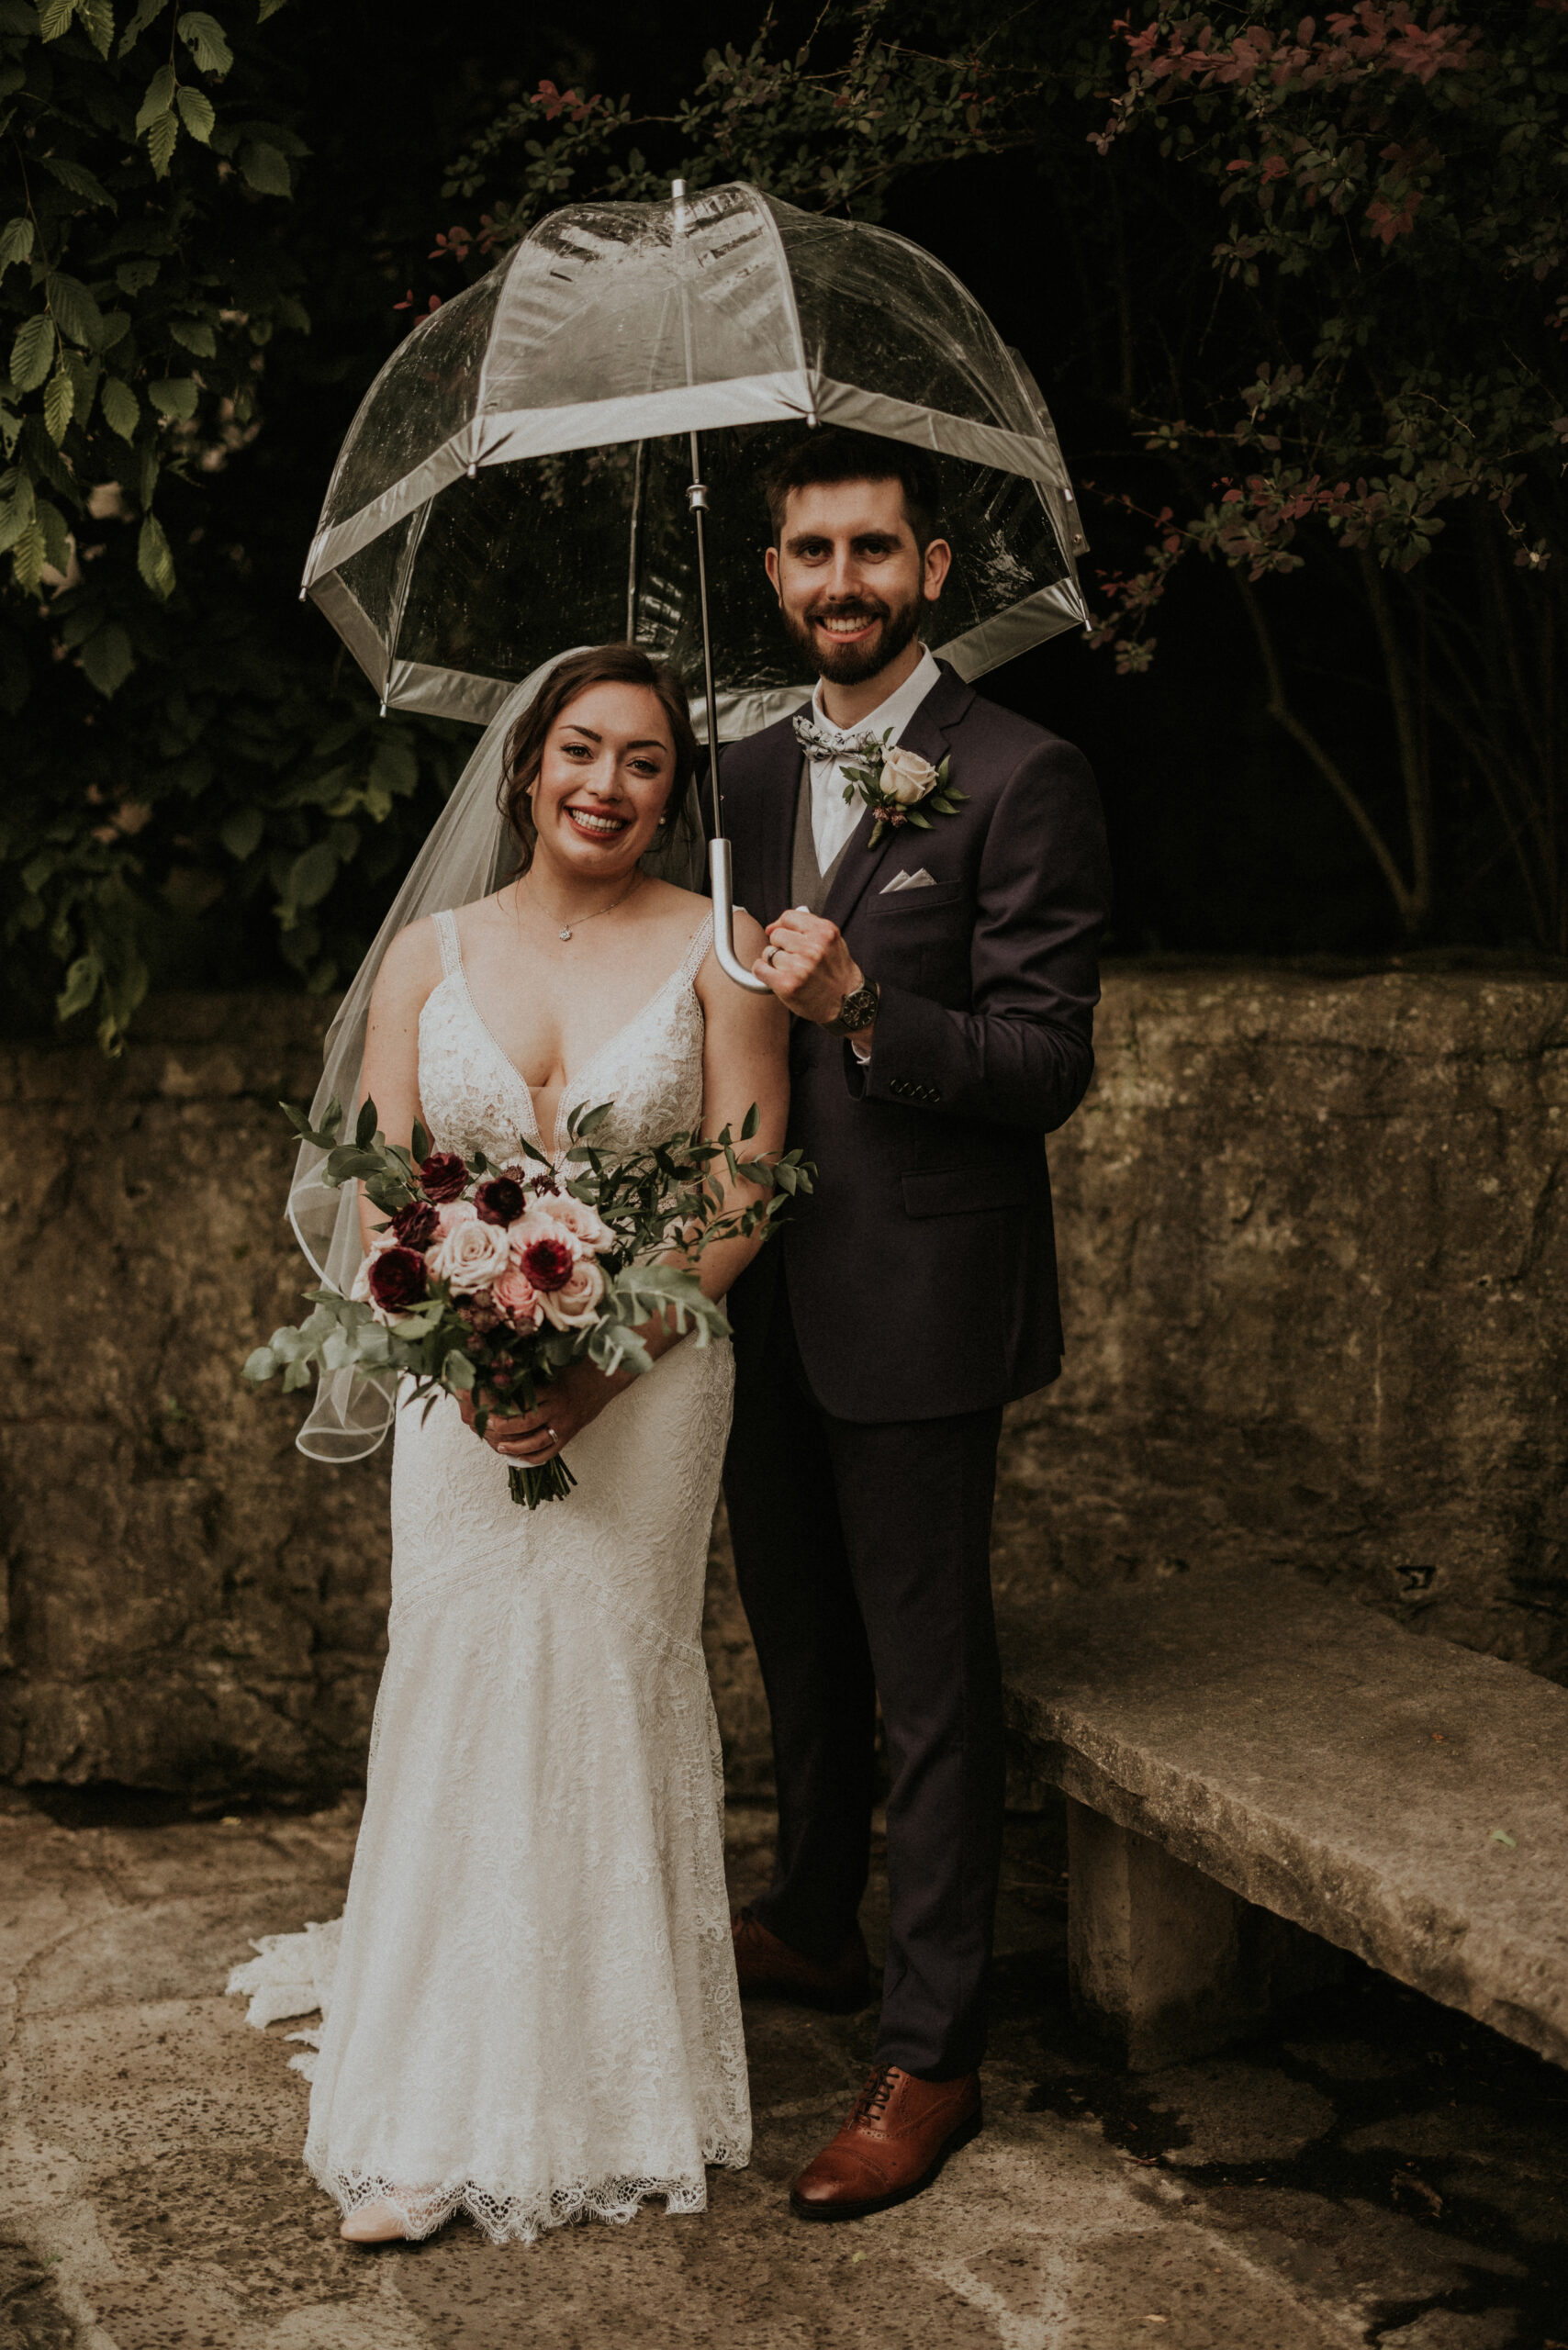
[[892, 715]]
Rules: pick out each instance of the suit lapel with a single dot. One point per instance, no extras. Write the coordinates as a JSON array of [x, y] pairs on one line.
[[926, 736], [769, 827]]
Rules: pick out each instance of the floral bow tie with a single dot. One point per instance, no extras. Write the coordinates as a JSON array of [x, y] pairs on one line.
[[821, 743]]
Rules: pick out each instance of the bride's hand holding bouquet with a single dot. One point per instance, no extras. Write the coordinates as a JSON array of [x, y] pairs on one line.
[[532, 1291]]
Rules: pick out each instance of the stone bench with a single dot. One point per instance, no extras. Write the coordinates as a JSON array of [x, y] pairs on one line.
[[1260, 1775]]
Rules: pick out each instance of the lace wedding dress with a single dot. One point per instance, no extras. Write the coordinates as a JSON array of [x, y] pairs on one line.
[[532, 2014]]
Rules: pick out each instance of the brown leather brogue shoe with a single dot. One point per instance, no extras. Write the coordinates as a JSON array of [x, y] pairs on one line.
[[769, 1969], [899, 2133]]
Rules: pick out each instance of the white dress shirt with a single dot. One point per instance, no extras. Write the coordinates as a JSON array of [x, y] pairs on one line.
[[834, 818]]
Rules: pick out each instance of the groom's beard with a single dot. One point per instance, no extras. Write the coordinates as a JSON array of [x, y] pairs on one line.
[[851, 665]]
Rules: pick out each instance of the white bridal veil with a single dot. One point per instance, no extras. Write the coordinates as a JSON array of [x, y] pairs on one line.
[[468, 855]]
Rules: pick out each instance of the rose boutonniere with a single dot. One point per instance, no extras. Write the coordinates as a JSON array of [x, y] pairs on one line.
[[900, 787]]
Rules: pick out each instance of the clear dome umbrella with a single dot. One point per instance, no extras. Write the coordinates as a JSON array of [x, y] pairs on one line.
[[524, 474]]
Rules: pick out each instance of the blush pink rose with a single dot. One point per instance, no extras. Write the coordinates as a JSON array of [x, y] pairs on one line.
[[585, 1224], [455, 1212], [514, 1296], [575, 1303]]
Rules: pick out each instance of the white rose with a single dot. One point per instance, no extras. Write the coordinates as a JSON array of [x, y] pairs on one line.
[[575, 1306], [360, 1289], [906, 777], [471, 1255]]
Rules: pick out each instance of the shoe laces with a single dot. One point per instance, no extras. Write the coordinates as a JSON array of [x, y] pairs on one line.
[[871, 2103]]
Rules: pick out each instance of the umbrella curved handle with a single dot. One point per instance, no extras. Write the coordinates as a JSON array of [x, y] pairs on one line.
[[722, 878]]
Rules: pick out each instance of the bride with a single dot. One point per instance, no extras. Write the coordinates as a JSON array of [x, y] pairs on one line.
[[533, 2013]]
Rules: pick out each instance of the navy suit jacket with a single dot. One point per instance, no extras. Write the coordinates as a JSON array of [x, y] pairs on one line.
[[921, 1271]]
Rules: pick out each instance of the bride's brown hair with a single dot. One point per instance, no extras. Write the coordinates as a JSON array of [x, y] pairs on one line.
[[602, 665]]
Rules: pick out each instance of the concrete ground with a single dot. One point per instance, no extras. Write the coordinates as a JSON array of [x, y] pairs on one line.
[[1378, 2171]]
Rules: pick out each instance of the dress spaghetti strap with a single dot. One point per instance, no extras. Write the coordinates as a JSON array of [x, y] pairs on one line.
[[446, 936], [696, 952]]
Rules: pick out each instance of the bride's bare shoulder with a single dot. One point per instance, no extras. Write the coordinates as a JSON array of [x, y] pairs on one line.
[[410, 968]]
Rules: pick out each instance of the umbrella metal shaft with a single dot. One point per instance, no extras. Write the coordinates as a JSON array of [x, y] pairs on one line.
[[720, 874]]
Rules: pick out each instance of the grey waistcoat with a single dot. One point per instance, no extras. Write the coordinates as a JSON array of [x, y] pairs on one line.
[[809, 885]]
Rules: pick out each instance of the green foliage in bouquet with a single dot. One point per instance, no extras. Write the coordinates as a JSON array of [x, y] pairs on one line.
[[644, 1206]]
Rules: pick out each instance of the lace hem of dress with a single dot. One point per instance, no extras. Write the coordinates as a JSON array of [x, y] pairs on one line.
[[515, 2219]]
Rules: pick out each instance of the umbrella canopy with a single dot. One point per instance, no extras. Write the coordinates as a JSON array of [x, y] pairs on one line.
[[514, 481]]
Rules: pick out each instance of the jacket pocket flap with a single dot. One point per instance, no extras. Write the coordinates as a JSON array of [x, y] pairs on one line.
[[964, 1191]]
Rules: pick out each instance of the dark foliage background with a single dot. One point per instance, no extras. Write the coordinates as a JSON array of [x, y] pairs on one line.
[[220, 804]]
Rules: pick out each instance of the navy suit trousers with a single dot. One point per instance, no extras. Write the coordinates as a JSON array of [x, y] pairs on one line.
[[862, 1552]]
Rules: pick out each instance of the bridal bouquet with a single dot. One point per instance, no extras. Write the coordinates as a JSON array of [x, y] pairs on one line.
[[488, 1281]]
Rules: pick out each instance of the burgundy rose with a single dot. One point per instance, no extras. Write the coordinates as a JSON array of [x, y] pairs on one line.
[[416, 1225], [548, 1264], [398, 1280], [442, 1176], [500, 1200]]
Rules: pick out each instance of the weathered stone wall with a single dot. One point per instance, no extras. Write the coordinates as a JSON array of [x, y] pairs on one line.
[[1314, 1234], [1314, 1248]]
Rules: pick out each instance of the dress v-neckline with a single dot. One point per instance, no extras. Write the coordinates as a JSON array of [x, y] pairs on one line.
[[559, 1140]]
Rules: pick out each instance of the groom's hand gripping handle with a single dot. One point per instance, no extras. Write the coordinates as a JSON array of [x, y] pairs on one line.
[[810, 971]]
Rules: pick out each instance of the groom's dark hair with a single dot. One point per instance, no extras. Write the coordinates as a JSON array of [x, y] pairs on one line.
[[834, 455], [601, 664]]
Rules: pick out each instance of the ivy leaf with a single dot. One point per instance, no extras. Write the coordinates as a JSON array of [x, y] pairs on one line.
[[108, 659], [78, 179], [75, 312], [264, 169], [32, 353], [153, 560], [195, 335], [195, 112], [139, 22], [161, 138], [203, 36], [122, 410], [175, 395], [15, 241], [59, 404]]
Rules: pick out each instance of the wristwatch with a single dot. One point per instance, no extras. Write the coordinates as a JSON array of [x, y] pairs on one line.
[[857, 1011]]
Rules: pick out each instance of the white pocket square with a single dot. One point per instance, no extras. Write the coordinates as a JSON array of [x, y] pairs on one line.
[[918, 879]]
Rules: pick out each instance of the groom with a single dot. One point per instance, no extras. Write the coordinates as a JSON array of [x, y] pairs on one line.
[[943, 984]]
